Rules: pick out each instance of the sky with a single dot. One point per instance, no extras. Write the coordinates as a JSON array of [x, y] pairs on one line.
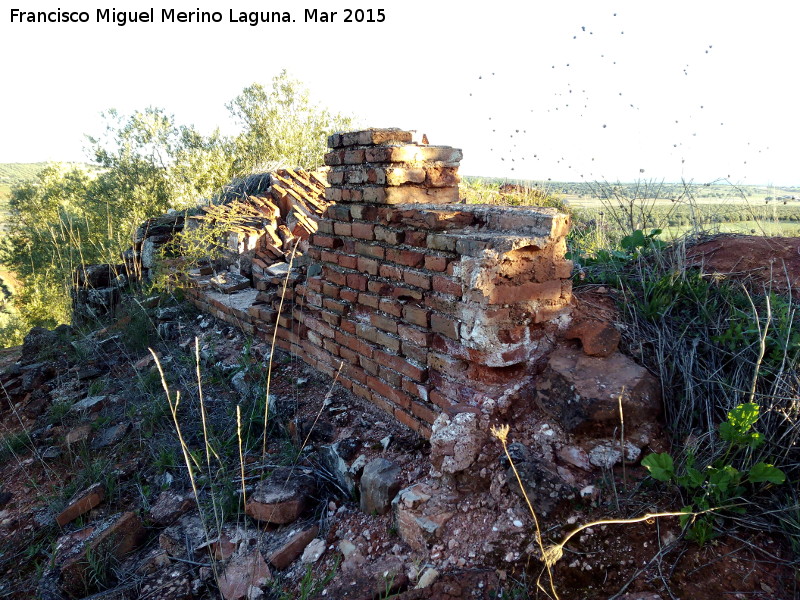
[[590, 90]]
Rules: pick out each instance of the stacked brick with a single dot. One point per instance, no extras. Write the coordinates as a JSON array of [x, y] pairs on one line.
[[421, 306]]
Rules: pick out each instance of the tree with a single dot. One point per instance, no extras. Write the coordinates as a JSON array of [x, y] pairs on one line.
[[281, 127]]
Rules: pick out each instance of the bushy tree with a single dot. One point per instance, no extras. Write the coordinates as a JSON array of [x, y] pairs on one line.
[[281, 126], [146, 165]]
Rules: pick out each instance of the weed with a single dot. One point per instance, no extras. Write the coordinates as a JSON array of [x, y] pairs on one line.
[[718, 485], [14, 445], [309, 586]]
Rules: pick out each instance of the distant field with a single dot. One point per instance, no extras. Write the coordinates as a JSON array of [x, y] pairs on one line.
[[768, 228]]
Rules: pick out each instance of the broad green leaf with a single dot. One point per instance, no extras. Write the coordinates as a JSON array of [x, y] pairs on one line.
[[744, 416], [762, 472], [660, 466]]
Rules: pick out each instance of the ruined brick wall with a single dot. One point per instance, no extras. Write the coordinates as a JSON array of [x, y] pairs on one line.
[[420, 304], [427, 305]]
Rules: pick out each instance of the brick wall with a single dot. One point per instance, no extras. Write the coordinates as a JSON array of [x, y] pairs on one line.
[[426, 304]]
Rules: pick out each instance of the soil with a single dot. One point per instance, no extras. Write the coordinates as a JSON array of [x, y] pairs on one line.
[[647, 560]]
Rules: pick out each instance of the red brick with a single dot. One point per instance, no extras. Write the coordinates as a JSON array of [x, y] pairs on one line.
[[369, 300], [330, 257], [330, 318], [357, 281], [412, 423], [365, 212], [313, 299], [326, 241], [382, 403], [355, 344], [388, 236], [320, 327], [338, 213], [348, 295], [370, 250], [383, 322], [391, 377], [441, 400], [414, 352], [391, 306], [360, 390], [331, 346], [390, 272], [335, 306], [348, 262], [347, 354], [508, 294], [417, 279], [436, 263], [369, 366], [416, 315], [444, 285], [314, 253], [444, 325], [416, 238], [423, 412], [325, 226], [334, 276], [368, 265], [420, 337], [340, 228], [364, 231], [380, 287], [415, 390], [348, 246], [408, 258], [399, 397], [388, 342], [367, 332], [401, 365], [406, 293], [330, 290]]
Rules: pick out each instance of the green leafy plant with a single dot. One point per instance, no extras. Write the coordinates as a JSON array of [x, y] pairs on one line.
[[717, 486]]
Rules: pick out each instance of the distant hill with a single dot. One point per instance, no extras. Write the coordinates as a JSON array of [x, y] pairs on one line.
[[11, 173]]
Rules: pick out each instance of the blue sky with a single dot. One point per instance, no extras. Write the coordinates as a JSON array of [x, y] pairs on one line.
[[593, 90]]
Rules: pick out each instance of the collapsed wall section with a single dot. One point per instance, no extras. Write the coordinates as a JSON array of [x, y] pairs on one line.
[[413, 300]]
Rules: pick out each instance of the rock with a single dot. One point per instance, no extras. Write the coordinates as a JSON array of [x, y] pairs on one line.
[[455, 442], [381, 579], [111, 435], [39, 342], [78, 435], [609, 453], [109, 540], [598, 338], [313, 552], [169, 506], [172, 581], [294, 547], [169, 330], [417, 524], [91, 404], [82, 503], [333, 462], [380, 483], [281, 498], [221, 548], [244, 572], [581, 393], [428, 577], [182, 539]]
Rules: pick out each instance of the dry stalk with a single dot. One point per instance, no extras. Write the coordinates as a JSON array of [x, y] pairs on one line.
[[173, 407], [501, 433], [272, 350]]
